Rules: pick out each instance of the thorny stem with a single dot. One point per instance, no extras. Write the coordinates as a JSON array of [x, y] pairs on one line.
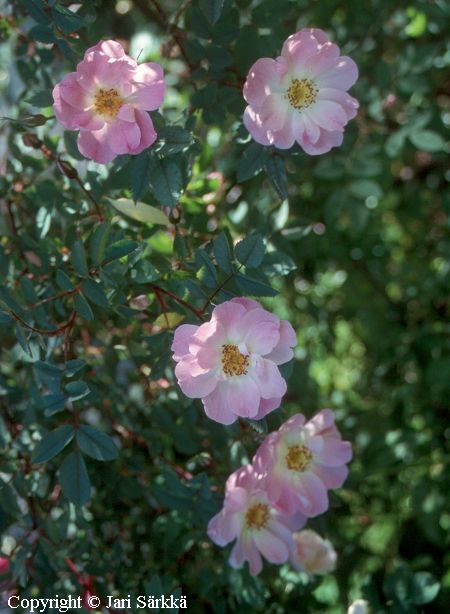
[[158, 291]]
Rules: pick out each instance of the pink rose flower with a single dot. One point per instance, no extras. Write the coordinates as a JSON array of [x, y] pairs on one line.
[[231, 361], [257, 525], [301, 96], [107, 99], [312, 553], [301, 462]]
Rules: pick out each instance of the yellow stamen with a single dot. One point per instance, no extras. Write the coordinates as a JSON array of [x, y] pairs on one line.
[[301, 93], [233, 362], [298, 458], [257, 516], [108, 103]]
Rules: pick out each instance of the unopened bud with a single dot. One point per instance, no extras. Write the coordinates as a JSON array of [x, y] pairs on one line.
[[31, 140], [67, 169], [34, 120]]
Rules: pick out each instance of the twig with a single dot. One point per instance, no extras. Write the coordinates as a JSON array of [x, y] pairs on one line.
[[177, 299]]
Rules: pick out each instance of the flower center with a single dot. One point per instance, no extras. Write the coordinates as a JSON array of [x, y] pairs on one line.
[[301, 93], [257, 516], [298, 458], [107, 102], [233, 362]]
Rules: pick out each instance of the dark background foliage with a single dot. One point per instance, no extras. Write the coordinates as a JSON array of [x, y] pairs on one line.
[[108, 474]]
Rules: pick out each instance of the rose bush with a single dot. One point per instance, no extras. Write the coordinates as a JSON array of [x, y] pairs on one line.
[[204, 238]]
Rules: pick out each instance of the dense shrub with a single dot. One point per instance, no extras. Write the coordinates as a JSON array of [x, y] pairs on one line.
[[109, 474]]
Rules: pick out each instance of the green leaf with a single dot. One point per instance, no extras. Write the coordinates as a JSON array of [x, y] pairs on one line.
[[250, 251], [169, 319], [42, 34], [78, 258], [427, 140], [98, 242], [174, 139], [362, 188], [77, 390], [252, 161], [166, 181], [425, 588], [140, 212], [140, 175], [66, 20], [63, 281], [222, 253], [52, 443], [36, 10], [94, 292], [120, 249], [52, 403], [41, 99], [212, 9], [254, 287], [276, 170], [208, 270], [96, 444], [74, 479], [83, 308]]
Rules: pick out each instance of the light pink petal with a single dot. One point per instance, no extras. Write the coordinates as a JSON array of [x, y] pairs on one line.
[[64, 112], [181, 339], [321, 422], [93, 145], [283, 352], [293, 522], [347, 102], [217, 407], [252, 555], [270, 383], [263, 78], [149, 86], [312, 495], [123, 137], [110, 48], [148, 133], [102, 71], [299, 47], [259, 329], [327, 114], [266, 406], [334, 452], [248, 303], [243, 396], [295, 423], [210, 336], [285, 138], [253, 123], [307, 131], [127, 113], [209, 357], [271, 546], [72, 93], [229, 315], [326, 141], [322, 61], [236, 559], [273, 111], [194, 381], [342, 76], [236, 499], [223, 528], [332, 477]]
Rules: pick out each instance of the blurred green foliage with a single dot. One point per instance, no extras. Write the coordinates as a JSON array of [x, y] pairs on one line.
[[352, 247]]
